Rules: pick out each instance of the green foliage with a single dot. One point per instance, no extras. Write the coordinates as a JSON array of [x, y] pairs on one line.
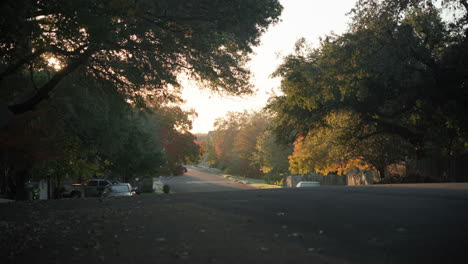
[[141, 47], [275, 178], [271, 156], [241, 144], [209, 156], [326, 149], [108, 126], [105, 136], [400, 69], [231, 146], [339, 145]]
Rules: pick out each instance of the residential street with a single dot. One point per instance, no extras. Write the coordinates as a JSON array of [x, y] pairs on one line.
[[317, 225], [199, 181], [301, 132]]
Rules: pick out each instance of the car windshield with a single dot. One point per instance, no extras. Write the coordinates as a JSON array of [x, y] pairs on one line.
[[119, 188]]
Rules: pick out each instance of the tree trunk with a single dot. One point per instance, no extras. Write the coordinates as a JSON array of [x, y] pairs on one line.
[[381, 171], [20, 190]]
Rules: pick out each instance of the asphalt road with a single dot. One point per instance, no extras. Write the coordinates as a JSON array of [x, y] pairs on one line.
[[316, 225], [199, 181]]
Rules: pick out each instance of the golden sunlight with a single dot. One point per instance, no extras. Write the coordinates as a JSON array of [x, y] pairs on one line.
[[54, 63]]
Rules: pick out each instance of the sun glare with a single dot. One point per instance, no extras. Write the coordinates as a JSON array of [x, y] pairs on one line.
[[54, 63]]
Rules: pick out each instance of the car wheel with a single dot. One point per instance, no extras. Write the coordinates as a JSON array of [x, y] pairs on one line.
[[166, 189]]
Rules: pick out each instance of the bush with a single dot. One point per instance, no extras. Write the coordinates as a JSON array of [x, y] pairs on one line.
[[275, 178]]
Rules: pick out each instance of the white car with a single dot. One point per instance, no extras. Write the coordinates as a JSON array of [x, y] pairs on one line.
[[303, 184], [120, 189]]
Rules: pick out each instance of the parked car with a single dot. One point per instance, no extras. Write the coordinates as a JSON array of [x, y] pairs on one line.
[[120, 189], [303, 184], [92, 188]]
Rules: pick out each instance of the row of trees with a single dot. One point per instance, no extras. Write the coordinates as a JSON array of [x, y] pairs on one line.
[[242, 144], [92, 86], [393, 87], [86, 130]]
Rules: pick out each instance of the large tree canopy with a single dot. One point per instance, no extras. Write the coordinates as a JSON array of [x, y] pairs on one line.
[[140, 46], [400, 68]]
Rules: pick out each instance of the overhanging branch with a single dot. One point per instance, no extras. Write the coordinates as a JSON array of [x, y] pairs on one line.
[[14, 67], [43, 92]]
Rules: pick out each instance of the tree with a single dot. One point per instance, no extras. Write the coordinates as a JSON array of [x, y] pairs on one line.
[[209, 156], [102, 134], [337, 146], [225, 134], [180, 146], [141, 47], [232, 145], [400, 68], [272, 157], [147, 141], [36, 136]]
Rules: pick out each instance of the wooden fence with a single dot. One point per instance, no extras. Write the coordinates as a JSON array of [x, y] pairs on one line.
[[439, 169]]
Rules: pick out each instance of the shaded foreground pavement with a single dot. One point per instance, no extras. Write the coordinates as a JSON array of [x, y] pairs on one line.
[[317, 225]]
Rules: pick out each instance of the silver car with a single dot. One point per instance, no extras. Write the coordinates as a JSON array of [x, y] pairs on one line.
[[120, 189]]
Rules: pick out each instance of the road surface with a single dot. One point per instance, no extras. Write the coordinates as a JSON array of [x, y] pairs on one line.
[[199, 181], [316, 225]]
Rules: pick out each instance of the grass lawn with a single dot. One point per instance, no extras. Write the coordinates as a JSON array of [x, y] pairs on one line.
[[258, 183]]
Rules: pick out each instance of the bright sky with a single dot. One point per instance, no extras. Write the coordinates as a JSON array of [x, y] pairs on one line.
[[300, 18]]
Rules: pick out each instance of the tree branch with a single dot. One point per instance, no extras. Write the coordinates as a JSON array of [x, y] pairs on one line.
[[383, 126], [43, 92], [14, 67], [465, 4]]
